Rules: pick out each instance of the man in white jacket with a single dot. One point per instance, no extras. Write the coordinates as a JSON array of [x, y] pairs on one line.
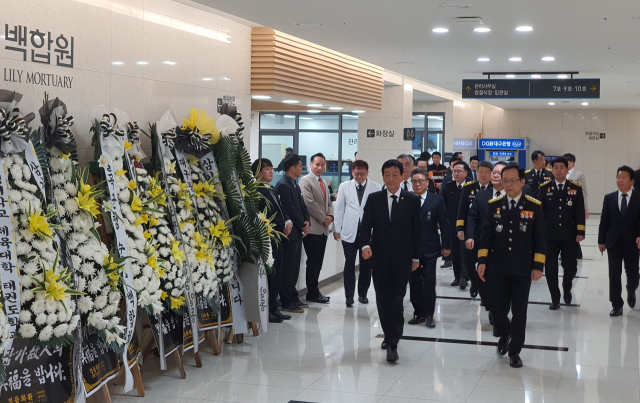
[[352, 196]]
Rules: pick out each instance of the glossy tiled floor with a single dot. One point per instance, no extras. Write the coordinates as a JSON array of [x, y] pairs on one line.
[[331, 354]]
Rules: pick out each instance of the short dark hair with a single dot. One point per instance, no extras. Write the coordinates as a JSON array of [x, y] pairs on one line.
[[485, 164], [356, 153], [260, 162], [290, 161], [433, 154], [474, 158], [391, 164], [569, 157], [422, 160], [420, 171], [560, 160], [500, 163], [456, 162], [360, 164], [513, 165], [288, 149], [464, 165], [426, 155], [453, 159], [536, 154], [627, 169], [317, 155], [456, 154]]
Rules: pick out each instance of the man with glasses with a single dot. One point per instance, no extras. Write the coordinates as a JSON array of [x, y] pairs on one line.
[[513, 242], [452, 193]]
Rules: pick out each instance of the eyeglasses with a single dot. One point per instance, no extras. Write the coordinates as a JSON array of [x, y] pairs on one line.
[[510, 182], [418, 181], [359, 174], [456, 171]]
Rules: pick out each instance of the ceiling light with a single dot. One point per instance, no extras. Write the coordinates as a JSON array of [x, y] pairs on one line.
[[143, 63], [260, 97], [419, 116], [357, 111], [309, 24], [562, 76], [226, 78], [524, 29], [536, 76], [315, 105], [406, 63], [305, 118], [483, 59], [510, 76], [289, 116], [207, 79], [482, 29], [270, 114], [454, 6], [350, 116], [548, 59], [313, 111], [585, 103], [515, 59], [440, 30], [117, 63], [336, 108], [551, 103], [290, 101], [169, 62]]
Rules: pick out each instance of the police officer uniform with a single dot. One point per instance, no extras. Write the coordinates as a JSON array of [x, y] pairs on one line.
[[563, 208], [452, 193], [534, 178], [469, 257], [513, 244]]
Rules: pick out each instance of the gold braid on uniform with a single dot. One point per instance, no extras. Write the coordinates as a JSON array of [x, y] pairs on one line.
[[575, 183], [469, 183], [546, 183], [496, 199], [533, 199]]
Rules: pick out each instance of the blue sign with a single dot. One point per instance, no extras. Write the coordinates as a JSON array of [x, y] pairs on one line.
[[502, 144], [502, 153], [464, 143]]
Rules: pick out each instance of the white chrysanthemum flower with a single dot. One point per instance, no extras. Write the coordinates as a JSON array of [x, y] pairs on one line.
[[27, 330]]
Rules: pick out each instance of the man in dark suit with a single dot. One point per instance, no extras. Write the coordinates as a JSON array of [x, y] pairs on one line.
[[619, 234], [452, 193], [539, 174], [514, 244], [422, 284], [271, 204], [392, 234], [293, 205], [563, 208], [474, 161]]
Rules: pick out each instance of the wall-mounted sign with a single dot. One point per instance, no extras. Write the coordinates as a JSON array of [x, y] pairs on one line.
[[464, 143], [40, 45], [37, 78], [502, 153], [380, 133], [501, 144], [595, 135], [409, 133], [588, 88]]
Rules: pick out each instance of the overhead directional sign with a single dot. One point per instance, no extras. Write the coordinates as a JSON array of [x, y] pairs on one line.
[[584, 88]]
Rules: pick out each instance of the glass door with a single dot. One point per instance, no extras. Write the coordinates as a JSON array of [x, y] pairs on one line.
[[275, 147]]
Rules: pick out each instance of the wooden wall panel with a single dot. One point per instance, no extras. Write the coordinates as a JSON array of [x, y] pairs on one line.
[[285, 65]]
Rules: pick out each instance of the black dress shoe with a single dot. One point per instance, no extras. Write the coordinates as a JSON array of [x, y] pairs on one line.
[[503, 344], [319, 300], [631, 299], [392, 354], [384, 345], [282, 316], [495, 332], [473, 291], [515, 361], [274, 319], [463, 283], [302, 304], [292, 308], [446, 264], [455, 283], [416, 319], [430, 322], [616, 312], [567, 297], [349, 302], [363, 300], [554, 306]]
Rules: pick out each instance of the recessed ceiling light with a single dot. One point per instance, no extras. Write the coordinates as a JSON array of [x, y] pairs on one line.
[[357, 111], [226, 78], [260, 97], [143, 63], [536, 76], [309, 24], [515, 59], [440, 30], [419, 116], [313, 111], [483, 59], [290, 101], [270, 114], [289, 116], [454, 6], [406, 63], [207, 79], [305, 118], [169, 62], [585, 103], [551, 103], [482, 29], [548, 59], [510, 76], [524, 28], [562, 76], [117, 63], [315, 105], [336, 108]]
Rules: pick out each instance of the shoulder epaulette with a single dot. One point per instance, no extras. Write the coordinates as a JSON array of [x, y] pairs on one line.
[[546, 182], [496, 199], [470, 183], [547, 169], [533, 199], [528, 171], [575, 183]]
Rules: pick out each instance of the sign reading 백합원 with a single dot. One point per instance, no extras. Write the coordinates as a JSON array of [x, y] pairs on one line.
[[585, 88]]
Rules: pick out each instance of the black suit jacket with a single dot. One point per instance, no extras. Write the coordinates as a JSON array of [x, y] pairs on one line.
[[532, 180], [614, 226], [469, 193], [564, 212], [477, 215], [293, 204], [393, 246], [273, 207], [434, 213]]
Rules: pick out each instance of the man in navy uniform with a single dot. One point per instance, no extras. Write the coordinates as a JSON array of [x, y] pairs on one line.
[[513, 243], [539, 174], [423, 281], [563, 208], [392, 237]]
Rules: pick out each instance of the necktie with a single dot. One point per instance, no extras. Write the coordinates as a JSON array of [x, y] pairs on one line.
[[623, 205], [513, 204], [483, 187], [394, 209], [459, 187], [560, 187], [539, 176], [360, 193], [324, 193], [497, 194], [406, 186]]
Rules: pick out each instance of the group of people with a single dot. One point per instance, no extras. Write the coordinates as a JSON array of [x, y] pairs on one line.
[[499, 225]]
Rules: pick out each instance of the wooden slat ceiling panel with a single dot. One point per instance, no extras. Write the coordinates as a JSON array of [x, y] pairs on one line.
[[284, 65]]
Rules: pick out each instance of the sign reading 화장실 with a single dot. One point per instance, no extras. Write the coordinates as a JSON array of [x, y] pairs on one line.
[[380, 133], [532, 88]]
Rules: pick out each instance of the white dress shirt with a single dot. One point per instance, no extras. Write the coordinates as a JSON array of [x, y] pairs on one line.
[[517, 199], [409, 185], [564, 187], [423, 198], [390, 199], [620, 198]]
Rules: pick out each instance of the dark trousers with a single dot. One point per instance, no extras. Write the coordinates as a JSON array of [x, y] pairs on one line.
[[567, 251], [391, 287], [510, 293], [351, 250], [275, 279], [314, 246], [456, 257], [292, 254], [579, 250], [422, 288], [469, 260], [619, 252]]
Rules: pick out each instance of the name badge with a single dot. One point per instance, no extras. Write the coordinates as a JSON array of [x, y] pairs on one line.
[[523, 226], [428, 215]]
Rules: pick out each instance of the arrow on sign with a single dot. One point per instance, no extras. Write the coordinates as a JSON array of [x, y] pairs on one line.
[[593, 88], [468, 88]]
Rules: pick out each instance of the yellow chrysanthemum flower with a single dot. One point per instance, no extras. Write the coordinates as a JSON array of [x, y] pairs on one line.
[[38, 225], [121, 172], [84, 188], [136, 204], [164, 295], [225, 239], [54, 288], [147, 235], [132, 185], [177, 254], [153, 221], [87, 204], [176, 303], [142, 219], [65, 156], [127, 145]]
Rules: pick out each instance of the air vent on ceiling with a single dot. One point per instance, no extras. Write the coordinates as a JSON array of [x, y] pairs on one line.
[[454, 6], [475, 20]]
